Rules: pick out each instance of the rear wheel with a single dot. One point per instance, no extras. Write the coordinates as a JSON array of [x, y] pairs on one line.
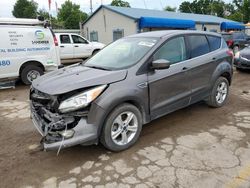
[[30, 73], [219, 93], [122, 128]]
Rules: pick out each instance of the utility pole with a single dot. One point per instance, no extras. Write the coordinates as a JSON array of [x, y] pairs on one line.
[[91, 7]]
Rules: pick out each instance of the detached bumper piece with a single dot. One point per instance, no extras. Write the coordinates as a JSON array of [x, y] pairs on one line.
[[59, 130]]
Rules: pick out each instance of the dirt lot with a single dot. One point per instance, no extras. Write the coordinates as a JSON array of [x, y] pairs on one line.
[[194, 147]]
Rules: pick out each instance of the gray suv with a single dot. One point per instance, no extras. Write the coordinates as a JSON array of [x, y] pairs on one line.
[[130, 83]]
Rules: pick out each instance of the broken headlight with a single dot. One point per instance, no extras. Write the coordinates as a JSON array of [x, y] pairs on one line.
[[81, 100]]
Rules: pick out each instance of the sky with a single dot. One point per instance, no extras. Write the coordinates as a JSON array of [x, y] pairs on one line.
[[6, 6]]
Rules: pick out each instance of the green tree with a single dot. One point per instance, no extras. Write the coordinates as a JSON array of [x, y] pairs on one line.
[[169, 8], [120, 3], [237, 16], [71, 15], [43, 13], [242, 11], [211, 7], [185, 7], [25, 9]]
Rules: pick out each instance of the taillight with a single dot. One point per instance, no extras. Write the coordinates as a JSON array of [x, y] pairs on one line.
[[55, 41], [230, 42], [230, 53]]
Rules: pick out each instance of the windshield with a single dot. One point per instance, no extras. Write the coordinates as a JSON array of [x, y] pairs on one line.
[[122, 53]]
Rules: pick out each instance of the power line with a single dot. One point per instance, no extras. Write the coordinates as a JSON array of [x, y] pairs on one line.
[[161, 5], [145, 4], [91, 6]]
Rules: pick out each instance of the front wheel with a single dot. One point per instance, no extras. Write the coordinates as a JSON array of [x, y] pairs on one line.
[[30, 73], [122, 128], [219, 93]]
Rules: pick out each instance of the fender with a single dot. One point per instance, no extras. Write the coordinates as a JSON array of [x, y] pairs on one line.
[[107, 102], [223, 69]]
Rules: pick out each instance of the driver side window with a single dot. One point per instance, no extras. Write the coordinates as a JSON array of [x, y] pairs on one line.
[[79, 40], [173, 51]]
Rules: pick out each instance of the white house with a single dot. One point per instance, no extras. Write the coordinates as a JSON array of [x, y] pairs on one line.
[[109, 23]]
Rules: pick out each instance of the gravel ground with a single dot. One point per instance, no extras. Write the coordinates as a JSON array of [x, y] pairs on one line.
[[194, 147]]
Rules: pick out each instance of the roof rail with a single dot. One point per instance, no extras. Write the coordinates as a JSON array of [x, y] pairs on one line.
[[20, 21]]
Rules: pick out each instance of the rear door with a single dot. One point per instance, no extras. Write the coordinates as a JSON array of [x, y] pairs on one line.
[[204, 53], [169, 89], [82, 48], [66, 46]]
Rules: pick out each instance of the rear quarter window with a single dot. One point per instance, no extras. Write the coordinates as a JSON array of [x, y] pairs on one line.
[[198, 45], [214, 42]]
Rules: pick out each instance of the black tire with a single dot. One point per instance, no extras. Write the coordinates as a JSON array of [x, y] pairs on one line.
[[239, 69], [106, 139], [26, 70], [212, 101]]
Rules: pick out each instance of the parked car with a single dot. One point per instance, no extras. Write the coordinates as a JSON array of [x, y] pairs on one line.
[[236, 40], [74, 47], [242, 59], [127, 84], [28, 48]]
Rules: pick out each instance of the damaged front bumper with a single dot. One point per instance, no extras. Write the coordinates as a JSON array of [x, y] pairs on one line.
[[57, 133]]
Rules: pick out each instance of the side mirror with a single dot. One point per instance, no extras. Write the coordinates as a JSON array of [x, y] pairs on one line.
[[60, 66], [161, 64]]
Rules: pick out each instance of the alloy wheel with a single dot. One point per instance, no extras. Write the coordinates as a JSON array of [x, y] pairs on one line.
[[124, 128]]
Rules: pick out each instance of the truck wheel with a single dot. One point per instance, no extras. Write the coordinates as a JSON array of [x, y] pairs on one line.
[[122, 128], [219, 93], [30, 73]]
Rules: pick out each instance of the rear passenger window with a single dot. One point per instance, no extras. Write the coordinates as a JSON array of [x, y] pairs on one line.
[[198, 45], [214, 42], [174, 51], [65, 39]]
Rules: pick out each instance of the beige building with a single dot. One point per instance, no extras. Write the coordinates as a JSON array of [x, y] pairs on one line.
[[109, 23]]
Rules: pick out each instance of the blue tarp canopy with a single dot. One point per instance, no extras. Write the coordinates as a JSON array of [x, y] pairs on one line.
[[152, 22], [231, 25]]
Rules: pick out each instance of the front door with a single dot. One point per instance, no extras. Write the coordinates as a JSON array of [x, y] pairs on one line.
[[169, 89], [82, 48]]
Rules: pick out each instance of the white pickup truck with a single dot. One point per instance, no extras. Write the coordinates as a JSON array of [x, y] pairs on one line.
[[74, 48]]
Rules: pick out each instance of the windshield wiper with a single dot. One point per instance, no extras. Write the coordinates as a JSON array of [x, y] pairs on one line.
[[96, 67]]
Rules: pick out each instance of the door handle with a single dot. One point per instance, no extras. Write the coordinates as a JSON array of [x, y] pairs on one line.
[[185, 68], [76, 46], [62, 46], [214, 58]]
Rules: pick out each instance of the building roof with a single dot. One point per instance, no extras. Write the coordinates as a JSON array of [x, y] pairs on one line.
[[137, 13], [164, 33]]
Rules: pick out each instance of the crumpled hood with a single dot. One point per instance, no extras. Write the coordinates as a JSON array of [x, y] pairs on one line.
[[75, 77]]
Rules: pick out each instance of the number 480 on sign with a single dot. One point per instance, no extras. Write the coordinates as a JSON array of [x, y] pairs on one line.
[[4, 63]]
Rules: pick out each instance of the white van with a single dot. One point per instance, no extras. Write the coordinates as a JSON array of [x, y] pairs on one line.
[[28, 49]]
